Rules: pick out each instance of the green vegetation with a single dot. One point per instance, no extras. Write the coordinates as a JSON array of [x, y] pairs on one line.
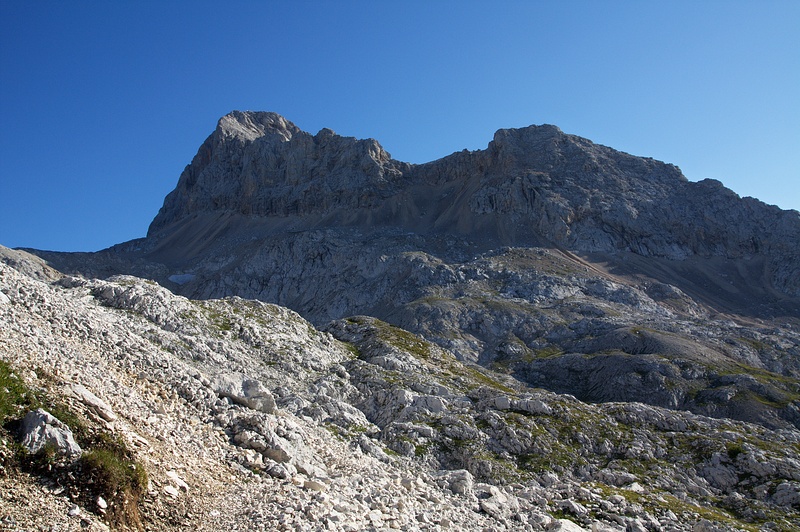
[[422, 449], [107, 467], [405, 340], [354, 350], [734, 450], [550, 351], [14, 395], [113, 470]]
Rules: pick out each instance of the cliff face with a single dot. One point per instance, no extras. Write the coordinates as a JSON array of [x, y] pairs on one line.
[[260, 164], [566, 264], [531, 185]]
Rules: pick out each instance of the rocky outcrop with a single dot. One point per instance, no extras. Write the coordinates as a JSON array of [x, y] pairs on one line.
[[41, 431], [531, 185], [261, 164]]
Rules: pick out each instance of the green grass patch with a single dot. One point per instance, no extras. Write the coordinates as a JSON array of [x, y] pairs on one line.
[[109, 470], [15, 397]]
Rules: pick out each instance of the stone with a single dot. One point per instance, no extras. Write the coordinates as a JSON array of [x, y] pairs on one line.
[[533, 406], [501, 402], [787, 494], [431, 403], [245, 391], [460, 481], [466, 269], [314, 485], [40, 429], [573, 507], [177, 480], [565, 525], [97, 405]]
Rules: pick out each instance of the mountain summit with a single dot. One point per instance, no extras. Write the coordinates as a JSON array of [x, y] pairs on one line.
[[632, 280], [534, 184]]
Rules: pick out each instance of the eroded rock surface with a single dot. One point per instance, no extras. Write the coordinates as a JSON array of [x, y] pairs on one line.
[[372, 427], [545, 334]]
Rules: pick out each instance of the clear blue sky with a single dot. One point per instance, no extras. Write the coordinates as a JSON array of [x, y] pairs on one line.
[[102, 104]]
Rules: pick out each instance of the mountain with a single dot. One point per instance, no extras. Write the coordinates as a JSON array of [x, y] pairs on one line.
[[545, 334], [568, 265]]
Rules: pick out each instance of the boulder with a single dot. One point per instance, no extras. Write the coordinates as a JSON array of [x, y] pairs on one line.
[[41, 429], [244, 391]]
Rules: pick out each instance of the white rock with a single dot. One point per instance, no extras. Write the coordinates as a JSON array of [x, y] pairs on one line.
[[460, 481], [636, 487], [501, 402], [244, 391], [565, 525], [431, 403], [178, 481], [533, 406], [95, 403], [40, 429], [575, 508]]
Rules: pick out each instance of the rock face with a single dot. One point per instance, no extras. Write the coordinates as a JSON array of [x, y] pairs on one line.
[[546, 334], [261, 164], [534, 184]]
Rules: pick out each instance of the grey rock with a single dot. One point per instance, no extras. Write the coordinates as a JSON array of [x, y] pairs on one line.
[[544, 262], [565, 525], [98, 406], [245, 391], [598, 244], [787, 494], [573, 507], [460, 482], [40, 429], [461, 453]]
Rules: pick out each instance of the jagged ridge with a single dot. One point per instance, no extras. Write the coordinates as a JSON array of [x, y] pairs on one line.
[[531, 185]]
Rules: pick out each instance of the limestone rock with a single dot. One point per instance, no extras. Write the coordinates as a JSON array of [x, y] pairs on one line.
[[97, 405], [40, 429], [544, 242], [546, 327], [245, 391]]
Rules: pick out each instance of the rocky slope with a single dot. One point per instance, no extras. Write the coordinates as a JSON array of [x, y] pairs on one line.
[[246, 417], [565, 264]]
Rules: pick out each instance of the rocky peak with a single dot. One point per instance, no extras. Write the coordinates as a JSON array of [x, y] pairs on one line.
[[535, 184], [250, 125], [260, 164]]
